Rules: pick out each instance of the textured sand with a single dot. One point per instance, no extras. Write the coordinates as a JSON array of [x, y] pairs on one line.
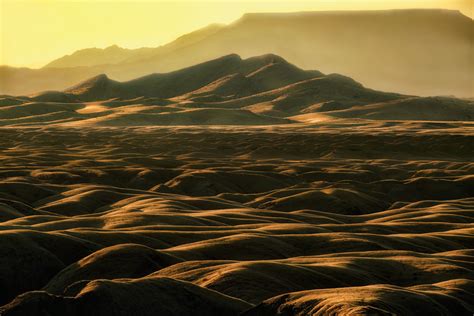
[[339, 218]]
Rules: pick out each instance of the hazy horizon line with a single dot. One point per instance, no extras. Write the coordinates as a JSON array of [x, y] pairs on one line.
[[128, 47]]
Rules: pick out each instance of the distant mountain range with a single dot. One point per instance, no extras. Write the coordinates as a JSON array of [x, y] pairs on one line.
[[228, 90], [115, 54], [422, 52]]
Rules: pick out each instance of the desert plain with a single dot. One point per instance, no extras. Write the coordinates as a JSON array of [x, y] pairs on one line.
[[294, 220], [239, 187]]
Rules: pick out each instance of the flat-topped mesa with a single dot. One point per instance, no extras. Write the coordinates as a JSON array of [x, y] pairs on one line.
[[333, 13]]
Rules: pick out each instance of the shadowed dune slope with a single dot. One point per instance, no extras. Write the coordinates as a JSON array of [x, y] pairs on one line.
[[150, 296]]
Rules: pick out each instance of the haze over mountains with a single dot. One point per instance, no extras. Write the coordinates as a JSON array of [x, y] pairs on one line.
[[421, 52], [228, 90]]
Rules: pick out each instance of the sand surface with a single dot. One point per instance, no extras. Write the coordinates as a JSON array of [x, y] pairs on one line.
[[346, 217]]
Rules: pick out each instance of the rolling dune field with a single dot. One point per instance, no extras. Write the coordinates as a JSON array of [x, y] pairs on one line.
[[342, 217]]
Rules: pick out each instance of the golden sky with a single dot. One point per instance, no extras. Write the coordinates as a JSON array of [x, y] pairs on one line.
[[34, 32]]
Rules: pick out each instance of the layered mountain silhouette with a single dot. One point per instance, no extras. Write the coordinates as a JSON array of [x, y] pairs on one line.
[[115, 54], [229, 90], [221, 77], [422, 52], [310, 194]]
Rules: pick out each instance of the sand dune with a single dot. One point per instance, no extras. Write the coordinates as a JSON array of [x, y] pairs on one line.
[[235, 187], [114, 297], [364, 217], [261, 90], [413, 109], [444, 298]]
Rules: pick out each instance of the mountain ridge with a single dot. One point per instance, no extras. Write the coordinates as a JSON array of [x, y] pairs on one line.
[[268, 71], [421, 52], [129, 54], [229, 90]]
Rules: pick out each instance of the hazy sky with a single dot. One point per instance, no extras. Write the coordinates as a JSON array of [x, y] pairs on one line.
[[34, 32]]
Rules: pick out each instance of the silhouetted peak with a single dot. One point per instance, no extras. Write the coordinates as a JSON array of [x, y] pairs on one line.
[[114, 48], [96, 82], [229, 57], [99, 78], [271, 59]]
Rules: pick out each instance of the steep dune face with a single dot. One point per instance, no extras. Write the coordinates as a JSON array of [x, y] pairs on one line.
[[422, 52], [361, 217]]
